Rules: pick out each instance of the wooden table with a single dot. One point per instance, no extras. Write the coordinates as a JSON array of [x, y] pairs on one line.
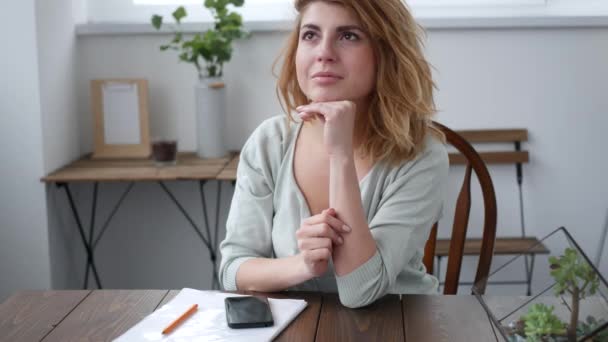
[[188, 167], [102, 315]]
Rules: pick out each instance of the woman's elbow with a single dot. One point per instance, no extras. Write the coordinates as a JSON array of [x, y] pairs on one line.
[[226, 278], [355, 300], [363, 290]]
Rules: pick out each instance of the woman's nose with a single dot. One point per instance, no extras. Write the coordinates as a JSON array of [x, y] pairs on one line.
[[326, 52]]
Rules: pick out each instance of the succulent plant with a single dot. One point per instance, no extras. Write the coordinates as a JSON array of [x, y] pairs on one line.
[[588, 326], [540, 322], [574, 276]]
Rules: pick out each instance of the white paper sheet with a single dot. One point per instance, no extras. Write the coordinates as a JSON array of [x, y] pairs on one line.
[[121, 113], [209, 322]]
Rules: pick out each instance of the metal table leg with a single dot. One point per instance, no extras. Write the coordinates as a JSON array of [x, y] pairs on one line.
[[85, 243], [206, 240], [91, 243], [91, 232], [529, 275], [216, 280]]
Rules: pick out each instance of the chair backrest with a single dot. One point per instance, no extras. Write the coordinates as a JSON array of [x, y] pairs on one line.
[[461, 219]]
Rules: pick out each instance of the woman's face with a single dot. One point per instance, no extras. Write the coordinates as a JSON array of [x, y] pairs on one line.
[[335, 59]]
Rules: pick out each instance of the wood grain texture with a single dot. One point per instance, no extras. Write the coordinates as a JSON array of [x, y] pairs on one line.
[[188, 167], [461, 217], [494, 135], [106, 314], [506, 246], [429, 250], [31, 315], [229, 172], [381, 321], [103, 315], [459, 234], [304, 327], [445, 318], [170, 295], [496, 157]]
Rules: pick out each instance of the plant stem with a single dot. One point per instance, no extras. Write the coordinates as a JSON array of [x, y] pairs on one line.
[[574, 315], [585, 286]]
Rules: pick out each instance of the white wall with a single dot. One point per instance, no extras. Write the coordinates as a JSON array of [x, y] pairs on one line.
[[550, 81], [553, 83], [24, 252], [60, 122]]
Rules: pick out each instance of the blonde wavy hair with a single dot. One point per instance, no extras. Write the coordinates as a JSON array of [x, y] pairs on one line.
[[401, 106]]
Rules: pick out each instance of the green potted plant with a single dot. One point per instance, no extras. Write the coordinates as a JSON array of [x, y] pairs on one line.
[[208, 51], [575, 279]]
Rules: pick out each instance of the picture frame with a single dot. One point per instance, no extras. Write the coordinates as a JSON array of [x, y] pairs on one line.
[[120, 118]]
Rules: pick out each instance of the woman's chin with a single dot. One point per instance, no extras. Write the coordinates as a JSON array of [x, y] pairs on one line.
[[326, 97]]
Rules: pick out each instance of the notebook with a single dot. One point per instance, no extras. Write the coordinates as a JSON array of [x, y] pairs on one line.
[[209, 321]]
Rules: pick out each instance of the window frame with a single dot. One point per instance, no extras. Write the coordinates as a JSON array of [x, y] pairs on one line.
[[98, 16]]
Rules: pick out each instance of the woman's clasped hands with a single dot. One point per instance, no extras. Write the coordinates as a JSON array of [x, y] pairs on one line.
[[317, 237], [339, 124]]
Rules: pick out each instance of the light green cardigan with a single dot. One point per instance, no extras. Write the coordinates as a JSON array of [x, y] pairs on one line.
[[401, 204]]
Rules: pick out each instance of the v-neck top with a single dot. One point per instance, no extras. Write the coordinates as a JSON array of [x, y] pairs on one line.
[[291, 154], [401, 204]]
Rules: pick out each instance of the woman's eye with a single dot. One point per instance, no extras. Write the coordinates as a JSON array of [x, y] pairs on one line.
[[308, 35], [350, 36]]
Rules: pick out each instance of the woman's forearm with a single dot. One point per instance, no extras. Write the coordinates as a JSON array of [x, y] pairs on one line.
[[345, 197], [270, 275]]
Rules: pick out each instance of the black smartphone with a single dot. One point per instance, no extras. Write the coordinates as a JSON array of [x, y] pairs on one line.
[[248, 312]]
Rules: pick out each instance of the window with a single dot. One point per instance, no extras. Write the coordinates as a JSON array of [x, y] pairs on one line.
[[142, 10], [471, 3], [134, 11]]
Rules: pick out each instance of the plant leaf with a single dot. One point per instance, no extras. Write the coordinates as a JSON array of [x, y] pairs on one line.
[[179, 13], [178, 38], [157, 21]]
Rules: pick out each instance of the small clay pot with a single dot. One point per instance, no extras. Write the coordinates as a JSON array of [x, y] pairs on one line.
[[164, 152]]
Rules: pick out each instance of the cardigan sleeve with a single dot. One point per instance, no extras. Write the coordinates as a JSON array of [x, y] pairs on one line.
[[411, 203], [249, 223]]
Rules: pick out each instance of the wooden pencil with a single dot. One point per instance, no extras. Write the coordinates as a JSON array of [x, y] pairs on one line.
[[180, 319]]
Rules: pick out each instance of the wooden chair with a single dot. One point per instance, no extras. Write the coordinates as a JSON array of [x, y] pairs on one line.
[[461, 219], [525, 244]]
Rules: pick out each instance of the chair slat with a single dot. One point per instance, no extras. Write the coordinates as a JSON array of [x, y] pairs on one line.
[[494, 135], [459, 233], [474, 163], [429, 250], [493, 157], [503, 246]]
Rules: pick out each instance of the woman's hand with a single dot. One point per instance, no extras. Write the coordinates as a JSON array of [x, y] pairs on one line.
[[316, 237], [339, 121]]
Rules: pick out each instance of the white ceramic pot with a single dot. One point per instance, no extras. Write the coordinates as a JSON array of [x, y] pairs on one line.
[[210, 97]]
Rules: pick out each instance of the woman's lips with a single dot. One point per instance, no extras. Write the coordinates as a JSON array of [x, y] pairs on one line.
[[325, 79]]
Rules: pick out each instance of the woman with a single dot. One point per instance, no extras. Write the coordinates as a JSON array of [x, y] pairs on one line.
[[344, 198]]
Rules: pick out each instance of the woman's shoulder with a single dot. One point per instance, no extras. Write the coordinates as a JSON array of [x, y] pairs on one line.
[[266, 147], [434, 151], [433, 157], [276, 129]]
